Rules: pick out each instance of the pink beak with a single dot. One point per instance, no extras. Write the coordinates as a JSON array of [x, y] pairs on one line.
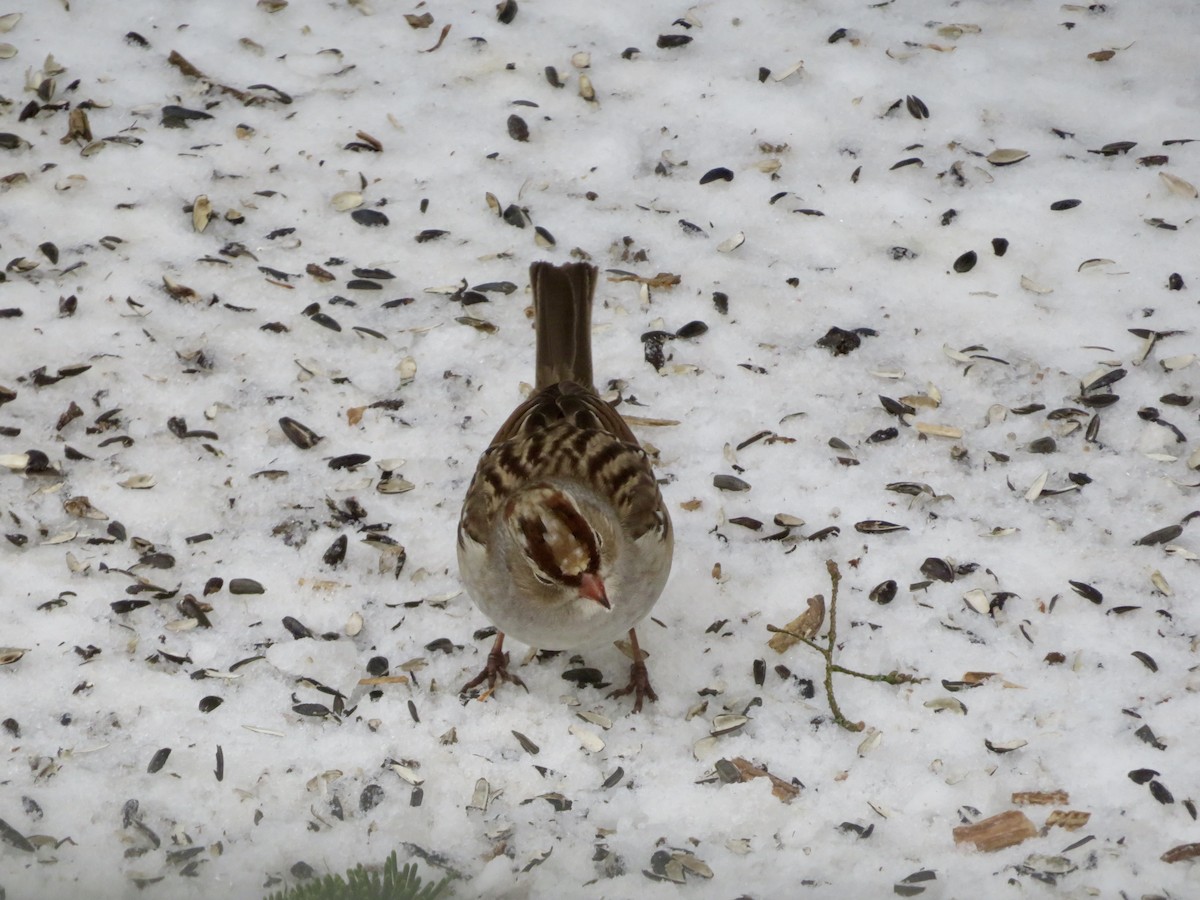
[[592, 588]]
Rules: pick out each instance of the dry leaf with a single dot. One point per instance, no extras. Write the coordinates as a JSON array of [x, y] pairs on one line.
[[977, 677], [1102, 55], [806, 625], [784, 790], [441, 39], [424, 20], [354, 414]]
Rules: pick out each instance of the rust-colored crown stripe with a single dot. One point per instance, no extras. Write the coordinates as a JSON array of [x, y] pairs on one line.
[[542, 555]]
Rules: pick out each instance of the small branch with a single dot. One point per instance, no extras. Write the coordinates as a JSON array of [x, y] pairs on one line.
[[889, 678], [827, 652]]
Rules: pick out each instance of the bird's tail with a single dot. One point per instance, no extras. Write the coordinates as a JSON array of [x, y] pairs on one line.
[[562, 307]]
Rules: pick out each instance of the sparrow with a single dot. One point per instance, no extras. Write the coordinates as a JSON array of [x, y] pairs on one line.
[[564, 540]]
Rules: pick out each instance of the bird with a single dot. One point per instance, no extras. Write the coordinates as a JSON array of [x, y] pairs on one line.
[[564, 540]]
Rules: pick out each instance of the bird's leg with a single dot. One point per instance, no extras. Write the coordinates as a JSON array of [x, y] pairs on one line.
[[639, 678], [496, 668]]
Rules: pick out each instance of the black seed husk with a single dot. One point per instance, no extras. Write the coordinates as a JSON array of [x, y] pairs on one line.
[[1160, 536], [296, 628], [883, 434], [299, 434], [730, 483], [371, 796], [526, 744], [120, 607], [516, 216], [884, 592], [718, 174], [1146, 735], [158, 760], [916, 107], [1108, 378], [583, 676], [371, 218], [518, 129], [311, 709], [349, 461], [1086, 591], [1145, 659], [937, 568], [839, 341], [336, 552], [896, 407], [14, 838], [1159, 791]]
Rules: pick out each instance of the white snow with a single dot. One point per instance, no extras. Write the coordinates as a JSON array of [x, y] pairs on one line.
[[86, 729]]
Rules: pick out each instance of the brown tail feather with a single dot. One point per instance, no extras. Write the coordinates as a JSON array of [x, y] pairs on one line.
[[562, 305]]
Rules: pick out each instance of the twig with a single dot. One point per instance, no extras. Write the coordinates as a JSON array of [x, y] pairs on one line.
[[827, 652]]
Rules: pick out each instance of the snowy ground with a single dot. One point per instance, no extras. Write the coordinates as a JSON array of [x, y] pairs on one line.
[[158, 320]]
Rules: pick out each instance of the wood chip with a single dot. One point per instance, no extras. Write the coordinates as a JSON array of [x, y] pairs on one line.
[[1040, 798], [997, 832], [1181, 853], [943, 431], [1067, 819]]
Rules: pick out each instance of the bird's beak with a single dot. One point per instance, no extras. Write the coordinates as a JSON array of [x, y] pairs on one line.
[[592, 588]]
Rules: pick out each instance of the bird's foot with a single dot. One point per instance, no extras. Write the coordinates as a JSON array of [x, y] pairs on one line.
[[495, 670], [639, 686]]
